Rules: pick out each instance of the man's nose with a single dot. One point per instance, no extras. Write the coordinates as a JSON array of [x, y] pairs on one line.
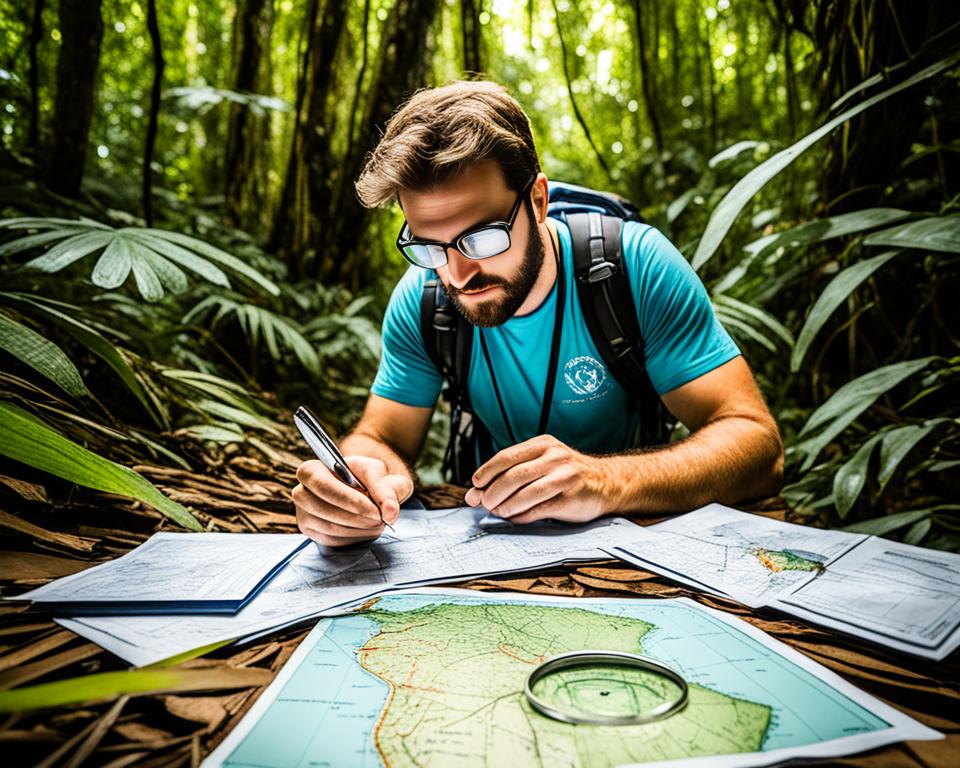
[[460, 268]]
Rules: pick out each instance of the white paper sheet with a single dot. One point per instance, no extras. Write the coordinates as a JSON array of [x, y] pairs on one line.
[[177, 567], [888, 592], [428, 546], [743, 556], [900, 596]]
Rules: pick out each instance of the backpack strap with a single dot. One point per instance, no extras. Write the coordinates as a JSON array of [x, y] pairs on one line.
[[606, 301], [448, 341]]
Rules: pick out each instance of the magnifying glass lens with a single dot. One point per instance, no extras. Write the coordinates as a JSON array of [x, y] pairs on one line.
[[608, 690], [605, 688]]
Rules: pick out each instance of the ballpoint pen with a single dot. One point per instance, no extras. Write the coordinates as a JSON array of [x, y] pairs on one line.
[[326, 450]]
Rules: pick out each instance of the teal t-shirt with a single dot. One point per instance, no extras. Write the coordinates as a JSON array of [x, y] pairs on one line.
[[682, 340]]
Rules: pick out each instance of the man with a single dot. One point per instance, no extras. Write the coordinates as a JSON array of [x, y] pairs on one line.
[[461, 162]]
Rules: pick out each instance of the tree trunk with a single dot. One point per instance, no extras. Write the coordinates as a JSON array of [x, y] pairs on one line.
[[472, 35], [154, 117], [405, 50], [284, 226], [247, 156], [711, 95], [81, 28], [573, 102], [647, 78], [36, 35], [310, 173]]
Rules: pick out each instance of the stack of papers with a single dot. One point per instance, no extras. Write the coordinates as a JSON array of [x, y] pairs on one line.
[[427, 547], [897, 595], [175, 573]]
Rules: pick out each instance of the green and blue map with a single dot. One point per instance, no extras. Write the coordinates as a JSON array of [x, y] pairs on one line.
[[436, 679]]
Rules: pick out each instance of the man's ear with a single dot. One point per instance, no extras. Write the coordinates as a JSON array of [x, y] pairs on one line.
[[540, 197]]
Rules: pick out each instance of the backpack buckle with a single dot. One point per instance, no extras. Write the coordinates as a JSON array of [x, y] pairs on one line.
[[602, 271]]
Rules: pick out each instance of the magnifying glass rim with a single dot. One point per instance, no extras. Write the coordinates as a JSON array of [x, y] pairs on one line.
[[590, 658]]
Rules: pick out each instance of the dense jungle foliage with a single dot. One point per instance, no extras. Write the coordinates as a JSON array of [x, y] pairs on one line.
[[183, 258]]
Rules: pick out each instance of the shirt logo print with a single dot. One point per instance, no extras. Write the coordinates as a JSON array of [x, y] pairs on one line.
[[584, 374]]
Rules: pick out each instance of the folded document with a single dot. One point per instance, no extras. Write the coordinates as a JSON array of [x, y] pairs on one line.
[[175, 573], [897, 595]]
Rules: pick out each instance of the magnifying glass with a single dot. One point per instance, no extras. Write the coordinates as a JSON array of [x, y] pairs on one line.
[[605, 688]]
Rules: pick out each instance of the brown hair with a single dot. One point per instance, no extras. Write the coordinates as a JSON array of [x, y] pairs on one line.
[[439, 131]]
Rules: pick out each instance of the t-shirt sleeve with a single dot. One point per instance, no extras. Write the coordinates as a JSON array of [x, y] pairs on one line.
[[683, 339], [406, 373]]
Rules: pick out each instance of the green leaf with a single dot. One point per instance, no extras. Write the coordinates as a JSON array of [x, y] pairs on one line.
[[239, 415], [216, 434], [725, 155], [218, 255], [938, 233], [848, 402], [96, 343], [43, 222], [879, 526], [148, 283], [41, 354], [113, 267], [734, 201], [22, 244], [852, 476], [897, 444], [826, 229], [735, 324], [110, 685], [64, 254], [26, 439], [181, 256], [171, 276], [918, 532], [836, 292], [757, 314]]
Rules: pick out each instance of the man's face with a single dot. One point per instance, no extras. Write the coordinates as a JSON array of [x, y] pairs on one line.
[[487, 292]]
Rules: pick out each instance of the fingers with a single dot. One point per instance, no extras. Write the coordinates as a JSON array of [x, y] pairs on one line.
[[509, 457], [333, 492], [389, 493], [329, 511], [333, 535], [553, 508], [533, 495]]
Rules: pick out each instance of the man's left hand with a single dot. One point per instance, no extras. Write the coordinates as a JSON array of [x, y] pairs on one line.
[[542, 478]]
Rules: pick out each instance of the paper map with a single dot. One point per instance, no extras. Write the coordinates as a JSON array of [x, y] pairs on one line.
[[435, 678]]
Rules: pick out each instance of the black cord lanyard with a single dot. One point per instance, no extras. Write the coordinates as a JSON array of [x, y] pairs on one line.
[[551, 370]]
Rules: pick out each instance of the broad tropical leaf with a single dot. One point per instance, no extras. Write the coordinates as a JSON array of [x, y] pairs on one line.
[[28, 440], [881, 526], [836, 292], [92, 339], [848, 402], [41, 354], [852, 476], [729, 208], [938, 233], [820, 230], [154, 256], [898, 443], [257, 322]]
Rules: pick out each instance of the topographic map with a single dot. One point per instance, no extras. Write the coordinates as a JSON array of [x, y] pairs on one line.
[[746, 557], [435, 678]]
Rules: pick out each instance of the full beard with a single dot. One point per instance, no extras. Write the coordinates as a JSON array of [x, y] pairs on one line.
[[515, 291]]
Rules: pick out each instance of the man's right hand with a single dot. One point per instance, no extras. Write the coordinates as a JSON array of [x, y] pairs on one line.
[[335, 515]]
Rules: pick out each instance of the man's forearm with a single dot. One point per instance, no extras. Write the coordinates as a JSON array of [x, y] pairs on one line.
[[728, 460]]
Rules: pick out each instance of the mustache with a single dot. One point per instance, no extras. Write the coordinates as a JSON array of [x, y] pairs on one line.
[[478, 282]]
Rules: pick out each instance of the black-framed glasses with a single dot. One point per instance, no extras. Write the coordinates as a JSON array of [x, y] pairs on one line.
[[479, 242]]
